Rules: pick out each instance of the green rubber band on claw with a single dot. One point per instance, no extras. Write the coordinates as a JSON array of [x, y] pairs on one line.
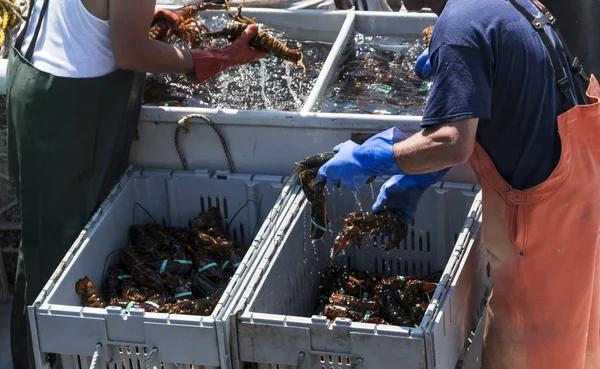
[[224, 265], [184, 261], [124, 276], [182, 294], [152, 303], [236, 265], [367, 315], [210, 265], [163, 266], [318, 225], [129, 306]]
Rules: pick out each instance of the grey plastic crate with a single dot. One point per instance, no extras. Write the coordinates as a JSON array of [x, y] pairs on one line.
[[64, 327], [275, 328]]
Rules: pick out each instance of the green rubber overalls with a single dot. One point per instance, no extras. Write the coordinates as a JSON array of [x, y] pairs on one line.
[[68, 143]]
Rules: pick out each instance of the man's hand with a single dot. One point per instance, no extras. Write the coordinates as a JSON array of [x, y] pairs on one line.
[[210, 62], [401, 193], [354, 164], [422, 65], [242, 53]]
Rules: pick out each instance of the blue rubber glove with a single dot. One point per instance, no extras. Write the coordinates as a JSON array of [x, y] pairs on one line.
[[354, 164], [402, 193], [422, 65]]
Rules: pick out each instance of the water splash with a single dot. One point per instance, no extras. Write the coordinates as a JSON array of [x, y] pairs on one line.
[[263, 83], [288, 78], [355, 193], [267, 84]]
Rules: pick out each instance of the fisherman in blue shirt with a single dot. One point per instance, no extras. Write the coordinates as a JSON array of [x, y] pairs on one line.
[[507, 97]]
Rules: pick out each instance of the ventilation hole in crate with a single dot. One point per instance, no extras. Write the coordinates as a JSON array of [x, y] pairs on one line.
[[235, 235], [428, 268], [349, 261], [421, 271], [455, 238], [348, 360], [130, 364], [428, 244], [383, 271], [79, 362], [225, 210], [145, 351], [242, 233], [323, 367], [420, 243], [406, 272], [107, 366], [339, 360], [376, 266], [162, 365], [412, 239], [120, 349], [209, 202], [191, 366], [137, 350], [128, 348], [398, 268], [116, 366], [218, 203], [330, 359], [202, 204], [414, 268], [139, 364], [406, 243]]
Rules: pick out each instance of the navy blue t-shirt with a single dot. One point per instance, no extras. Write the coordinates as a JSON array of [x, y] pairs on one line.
[[488, 62]]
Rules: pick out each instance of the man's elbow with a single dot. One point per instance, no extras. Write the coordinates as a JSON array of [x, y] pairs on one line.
[[461, 153], [126, 60], [459, 139], [128, 55]]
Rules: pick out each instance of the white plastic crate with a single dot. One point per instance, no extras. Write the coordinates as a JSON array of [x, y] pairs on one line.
[[64, 327], [274, 328]]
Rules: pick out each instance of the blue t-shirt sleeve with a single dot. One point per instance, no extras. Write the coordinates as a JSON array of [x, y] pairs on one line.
[[462, 85]]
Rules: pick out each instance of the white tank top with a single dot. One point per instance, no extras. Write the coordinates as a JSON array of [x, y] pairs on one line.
[[72, 42]]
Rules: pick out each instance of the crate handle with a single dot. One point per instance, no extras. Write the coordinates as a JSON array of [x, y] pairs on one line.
[[95, 356]]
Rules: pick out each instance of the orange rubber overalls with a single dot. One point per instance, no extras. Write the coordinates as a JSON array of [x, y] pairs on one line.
[[543, 243]]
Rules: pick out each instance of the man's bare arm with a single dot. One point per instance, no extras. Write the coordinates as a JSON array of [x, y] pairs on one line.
[[133, 49], [437, 148]]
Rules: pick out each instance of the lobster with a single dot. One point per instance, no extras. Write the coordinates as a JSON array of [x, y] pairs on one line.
[[307, 170], [203, 306], [368, 223], [263, 41], [184, 26], [336, 311], [353, 303], [427, 32], [91, 296], [140, 272]]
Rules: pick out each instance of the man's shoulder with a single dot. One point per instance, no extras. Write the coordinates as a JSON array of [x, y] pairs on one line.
[[470, 23]]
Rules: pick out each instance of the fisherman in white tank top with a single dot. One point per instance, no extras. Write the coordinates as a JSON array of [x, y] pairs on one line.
[[74, 86]]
